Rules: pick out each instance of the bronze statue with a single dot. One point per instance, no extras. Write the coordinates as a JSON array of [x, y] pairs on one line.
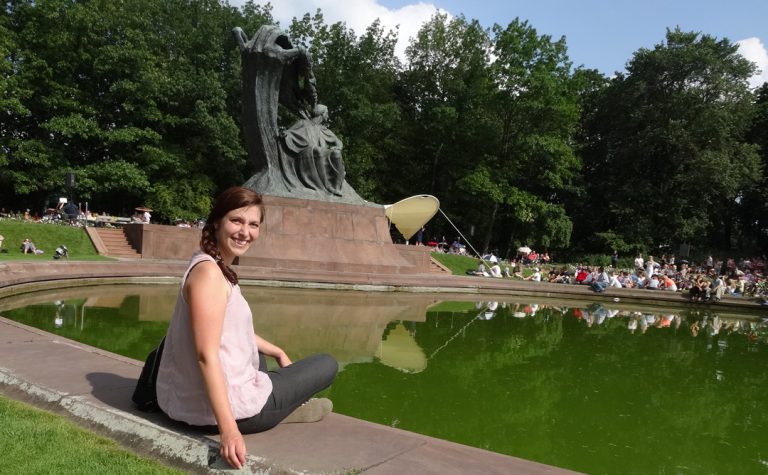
[[304, 160]]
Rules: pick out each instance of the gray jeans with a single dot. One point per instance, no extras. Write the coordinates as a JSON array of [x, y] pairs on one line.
[[292, 386]]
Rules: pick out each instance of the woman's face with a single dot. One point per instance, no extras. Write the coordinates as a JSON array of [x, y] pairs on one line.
[[236, 231]]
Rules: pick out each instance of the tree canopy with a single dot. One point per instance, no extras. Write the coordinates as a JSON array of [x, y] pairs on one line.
[[141, 99]]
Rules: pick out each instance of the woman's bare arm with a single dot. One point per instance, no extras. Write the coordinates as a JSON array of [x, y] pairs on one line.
[[207, 292]]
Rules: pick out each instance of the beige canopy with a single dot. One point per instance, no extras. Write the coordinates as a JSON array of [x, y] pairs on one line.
[[410, 214]]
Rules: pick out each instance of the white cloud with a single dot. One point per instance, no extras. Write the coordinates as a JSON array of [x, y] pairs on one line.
[[358, 15], [754, 50]]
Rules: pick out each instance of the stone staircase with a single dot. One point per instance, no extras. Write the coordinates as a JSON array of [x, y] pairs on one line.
[[112, 242], [437, 268]]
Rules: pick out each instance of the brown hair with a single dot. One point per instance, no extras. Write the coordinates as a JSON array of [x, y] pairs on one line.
[[231, 198]]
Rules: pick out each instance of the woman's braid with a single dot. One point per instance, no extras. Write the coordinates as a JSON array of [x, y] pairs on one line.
[[208, 245]]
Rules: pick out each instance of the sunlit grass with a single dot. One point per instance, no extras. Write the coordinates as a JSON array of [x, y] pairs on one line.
[[35, 441], [46, 237], [458, 264]]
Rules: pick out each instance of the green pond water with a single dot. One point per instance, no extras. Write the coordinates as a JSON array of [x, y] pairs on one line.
[[609, 388]]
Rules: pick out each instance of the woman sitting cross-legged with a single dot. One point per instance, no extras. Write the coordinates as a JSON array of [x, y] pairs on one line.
[[213, 371]]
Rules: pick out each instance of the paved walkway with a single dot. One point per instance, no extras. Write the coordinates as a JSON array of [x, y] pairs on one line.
[[94, 387]]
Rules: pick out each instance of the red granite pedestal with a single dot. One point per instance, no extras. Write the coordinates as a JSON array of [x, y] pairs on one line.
[[317, 235], [300, 234]]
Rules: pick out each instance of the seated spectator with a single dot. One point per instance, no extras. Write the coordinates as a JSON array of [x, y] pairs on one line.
[[653, 283], [28, 247], [481, 270], [561, 277], [614, 281], [517, 269], [600, 281], [638, 279], [591, 276], [553, 275], [536, 276], [496, 270], [625, 280], [718, 287], [581, 275], [699, 291], [668, 283]]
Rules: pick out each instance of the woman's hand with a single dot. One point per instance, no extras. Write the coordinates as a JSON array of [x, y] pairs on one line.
[[273, 350], [283, 360], [233, 448]]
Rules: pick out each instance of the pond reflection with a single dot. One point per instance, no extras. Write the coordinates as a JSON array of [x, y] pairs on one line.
[[596, 387]]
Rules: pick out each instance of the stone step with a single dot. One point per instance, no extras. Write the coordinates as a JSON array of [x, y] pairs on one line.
[[437, 268], [116, 243]]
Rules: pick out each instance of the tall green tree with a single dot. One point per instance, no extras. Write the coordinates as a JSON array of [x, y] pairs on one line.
[[538, 106], [445, 93], [128, 95], [669, 160], [754, 204]]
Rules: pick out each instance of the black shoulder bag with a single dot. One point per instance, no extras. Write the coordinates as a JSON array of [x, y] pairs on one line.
[[145, 394]]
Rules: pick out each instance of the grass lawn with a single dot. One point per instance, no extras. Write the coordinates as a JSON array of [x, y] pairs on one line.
[[46, 237], [458, 264], [35, 441]]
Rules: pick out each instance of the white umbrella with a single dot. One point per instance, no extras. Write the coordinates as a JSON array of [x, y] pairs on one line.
[[524, 249]]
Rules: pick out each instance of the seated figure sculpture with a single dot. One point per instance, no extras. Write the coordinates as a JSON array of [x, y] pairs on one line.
[[316, 151]]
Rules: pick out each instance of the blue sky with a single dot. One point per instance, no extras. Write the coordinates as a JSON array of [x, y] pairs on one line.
[[600, 34]]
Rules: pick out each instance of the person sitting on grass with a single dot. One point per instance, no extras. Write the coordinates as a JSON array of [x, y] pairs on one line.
[[28, 247], [481, 270], [536, 276]]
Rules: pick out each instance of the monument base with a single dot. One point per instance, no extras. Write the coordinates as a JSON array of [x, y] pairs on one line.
[[337, 237], [299, 234]]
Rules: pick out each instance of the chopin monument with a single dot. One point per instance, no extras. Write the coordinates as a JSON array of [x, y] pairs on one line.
[[314, 220], [305, 159]]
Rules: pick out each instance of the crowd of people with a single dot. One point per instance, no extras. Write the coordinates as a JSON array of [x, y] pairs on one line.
[[706, 281]]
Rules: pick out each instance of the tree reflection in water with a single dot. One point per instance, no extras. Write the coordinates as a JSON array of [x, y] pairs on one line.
[[599, 388]]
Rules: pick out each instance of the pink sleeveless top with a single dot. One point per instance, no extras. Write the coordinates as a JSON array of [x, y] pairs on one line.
[[180, 387]]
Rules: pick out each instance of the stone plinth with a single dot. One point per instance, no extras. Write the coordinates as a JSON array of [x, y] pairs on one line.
[[156, 241], [300, 234], [317, 235]]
